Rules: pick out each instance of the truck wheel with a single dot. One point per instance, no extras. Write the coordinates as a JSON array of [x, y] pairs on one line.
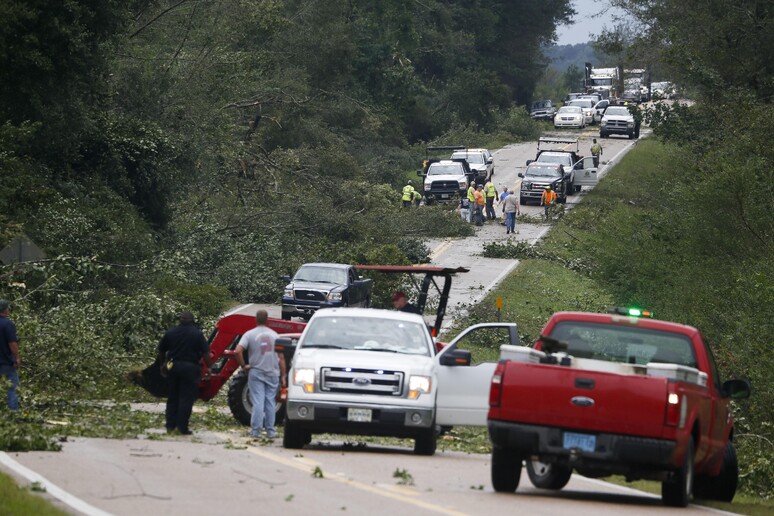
[[631, 136], [722, 487], [240, 405], [367, 302], [285, 316], [294, 437], [602, 134], [506, 469], [677, 491], [522, 200], [548, 476], [425, 443], [578, 188]]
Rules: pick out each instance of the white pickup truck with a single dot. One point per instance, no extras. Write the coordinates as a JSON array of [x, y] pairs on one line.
[[564, 151], [376, 372]]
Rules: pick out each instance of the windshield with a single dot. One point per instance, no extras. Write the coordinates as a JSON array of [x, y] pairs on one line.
[[602, 82], [582, 103], [368, 334], [318, 274], [625, 344], [474, 158], [566, 110], [445, 170], [562, 159], [542, 171], [617, 111]]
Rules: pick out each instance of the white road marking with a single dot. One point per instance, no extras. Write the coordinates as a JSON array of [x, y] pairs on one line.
[[52, 489]]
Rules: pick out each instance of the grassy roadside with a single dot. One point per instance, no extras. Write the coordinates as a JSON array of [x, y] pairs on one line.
[[558, 273], [15, 500]]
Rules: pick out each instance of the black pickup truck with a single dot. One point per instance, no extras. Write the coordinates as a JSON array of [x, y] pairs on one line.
[[317, 285]]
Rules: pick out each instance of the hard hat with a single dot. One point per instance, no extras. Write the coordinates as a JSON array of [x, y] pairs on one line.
[[409, 181], [548, 187]]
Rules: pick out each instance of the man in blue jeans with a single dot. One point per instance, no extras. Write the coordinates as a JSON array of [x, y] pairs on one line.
[[265, 371], [9, 354]]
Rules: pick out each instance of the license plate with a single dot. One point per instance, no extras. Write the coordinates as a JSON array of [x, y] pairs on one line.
[[444, 196], [584, 442], [359, 415]]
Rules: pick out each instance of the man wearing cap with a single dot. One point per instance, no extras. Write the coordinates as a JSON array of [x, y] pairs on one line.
[[9, 354], [401, 303], [547, 199], [181, 351], [408, 194]]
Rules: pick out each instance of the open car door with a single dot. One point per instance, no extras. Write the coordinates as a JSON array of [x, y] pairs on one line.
[[587, 175], [462, 397]]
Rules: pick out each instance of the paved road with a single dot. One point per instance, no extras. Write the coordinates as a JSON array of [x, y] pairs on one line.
[[211, 473], [218, 475], [486, 273]]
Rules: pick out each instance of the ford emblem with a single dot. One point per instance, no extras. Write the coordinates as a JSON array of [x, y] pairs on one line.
[[582, 401], [361, 381]]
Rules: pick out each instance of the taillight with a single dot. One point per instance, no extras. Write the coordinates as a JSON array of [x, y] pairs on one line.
[[676, 408], [496, 389]]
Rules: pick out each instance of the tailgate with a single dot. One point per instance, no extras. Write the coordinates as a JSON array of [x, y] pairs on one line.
[[552, 395]]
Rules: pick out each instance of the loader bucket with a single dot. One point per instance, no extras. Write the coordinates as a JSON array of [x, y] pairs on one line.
[[150, 379]]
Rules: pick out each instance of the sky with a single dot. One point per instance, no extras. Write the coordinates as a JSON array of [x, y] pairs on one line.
[[586, 26]]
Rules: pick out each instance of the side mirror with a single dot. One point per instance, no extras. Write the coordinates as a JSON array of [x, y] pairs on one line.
[[521, 175], [420, 174], [490, 160], [456, 357], [285, 346], [736, 389], [529, 161], [286, 279]]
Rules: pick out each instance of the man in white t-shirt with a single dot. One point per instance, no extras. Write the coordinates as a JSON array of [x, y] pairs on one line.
[[265, 371]]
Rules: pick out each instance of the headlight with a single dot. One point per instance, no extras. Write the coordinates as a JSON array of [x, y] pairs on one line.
[[427, 187], [525, 185], [630, 124], [304, 378], [288, 292], [418, 385], [463, 184], [335, 296], [603, 122]]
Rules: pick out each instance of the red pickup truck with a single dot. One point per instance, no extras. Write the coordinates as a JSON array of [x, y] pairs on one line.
[[615, 393]]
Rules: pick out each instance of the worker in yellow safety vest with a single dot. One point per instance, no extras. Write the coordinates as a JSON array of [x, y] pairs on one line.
[[596, 151], [491, 194], [471, 199], [417, 197], [408, 195]]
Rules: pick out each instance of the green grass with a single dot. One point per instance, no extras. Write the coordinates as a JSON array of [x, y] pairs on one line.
[[15, 500]]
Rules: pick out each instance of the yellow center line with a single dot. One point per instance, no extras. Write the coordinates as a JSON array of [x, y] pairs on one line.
[[308, 466], [440, 249]]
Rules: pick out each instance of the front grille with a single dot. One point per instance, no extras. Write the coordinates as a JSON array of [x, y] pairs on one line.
[[617, 124], [310, 295], [361, 381], [444, 186]]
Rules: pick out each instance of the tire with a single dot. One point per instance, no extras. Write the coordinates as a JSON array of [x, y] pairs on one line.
[[506, 469], [239, 401], [425, 443], [285, 316], [677, 492], [722, 487], [602, 134], [548, 476], [522, 200], [367, 303], [631, 136], [294, 437], [578, 188]]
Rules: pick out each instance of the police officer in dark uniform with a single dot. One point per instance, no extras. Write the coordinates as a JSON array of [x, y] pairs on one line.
[[181, 351]]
